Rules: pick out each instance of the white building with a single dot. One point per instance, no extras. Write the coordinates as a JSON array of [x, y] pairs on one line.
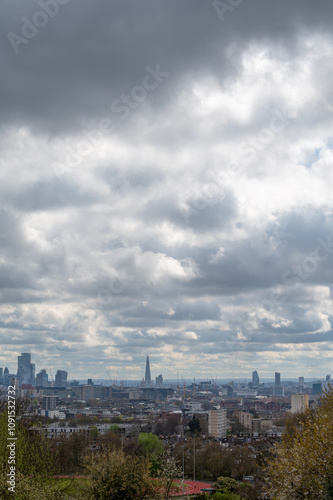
[[217, 423], [299, 403]]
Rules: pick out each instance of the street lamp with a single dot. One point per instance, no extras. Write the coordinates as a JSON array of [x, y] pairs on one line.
[[183, 470]]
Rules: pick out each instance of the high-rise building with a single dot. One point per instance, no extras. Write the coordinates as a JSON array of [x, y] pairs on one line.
[[217, 423], [147, 373], [255, 379], [159, 381], [278, 390], [301, 381], [61, 378], [230, 390], [42, 378], [277, 379], [316, 388], [1, 376], [50, 402], [25, 369], [6, 376], [299, 403], [88, 392]]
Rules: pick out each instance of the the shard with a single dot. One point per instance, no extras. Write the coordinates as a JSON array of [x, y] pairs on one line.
[[147, 374]]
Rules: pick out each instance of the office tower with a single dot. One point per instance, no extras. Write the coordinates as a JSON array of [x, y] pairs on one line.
[[255, 379], [6, 376], [32, 374], [217, 424], [277, 379], [328, 378], [1, 376], [42, 378], [230, 390], [159, 381], [316, 388], [61, 378], [301, 381], [278, 390], [299, 403], [147, 374], [90, 382], [24, 368]]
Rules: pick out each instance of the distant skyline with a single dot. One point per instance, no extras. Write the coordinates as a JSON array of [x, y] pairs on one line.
[[118, 377], [166, 186]]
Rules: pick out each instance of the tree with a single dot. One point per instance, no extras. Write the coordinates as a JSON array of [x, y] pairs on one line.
[[29, 456], [237, 427], [169, 470], [194, 425], [115, 476], [150, 445], [68, 451], [225, 496], [303, 462], [32, 451], [115, 428], [226, 484], [243, 463], [229, 486], [29, 488]]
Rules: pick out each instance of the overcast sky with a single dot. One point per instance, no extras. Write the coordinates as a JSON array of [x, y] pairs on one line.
[[166, 187]]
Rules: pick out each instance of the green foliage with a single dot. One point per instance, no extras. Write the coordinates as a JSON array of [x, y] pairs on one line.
[[168, 471], [116, 420], [303, 462], [150, 445], [194, 425], [68, 452], [226, 484], [94, 432], [114, 475], [29, 488], [32, 449], [225, 496], [115, 428]]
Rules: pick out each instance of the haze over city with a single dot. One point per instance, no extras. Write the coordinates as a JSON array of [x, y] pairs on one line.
[[165, 182]]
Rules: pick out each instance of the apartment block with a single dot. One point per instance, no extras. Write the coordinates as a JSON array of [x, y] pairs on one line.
[[217, 423]]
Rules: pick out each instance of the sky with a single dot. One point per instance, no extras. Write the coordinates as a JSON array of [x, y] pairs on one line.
[[165, 187]]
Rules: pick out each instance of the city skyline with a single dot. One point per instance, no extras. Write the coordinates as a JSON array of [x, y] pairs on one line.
[[147, 379], [166, 188]]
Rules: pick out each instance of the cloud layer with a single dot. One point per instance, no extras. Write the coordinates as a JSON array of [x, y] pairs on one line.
[[166, 187]]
